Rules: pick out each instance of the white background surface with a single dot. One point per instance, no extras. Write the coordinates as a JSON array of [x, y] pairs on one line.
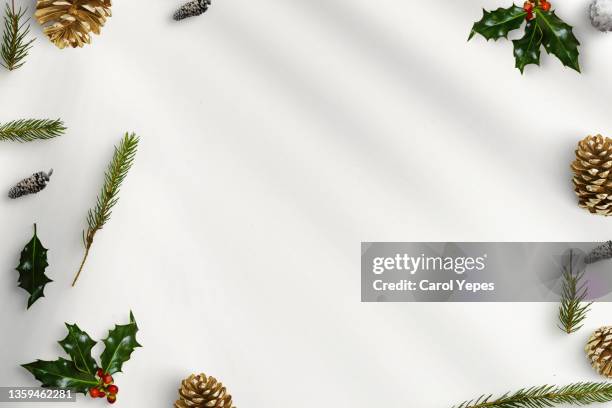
[[276, 136]]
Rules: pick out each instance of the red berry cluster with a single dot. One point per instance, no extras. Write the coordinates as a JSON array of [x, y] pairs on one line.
[[105, 387], [531, 4]]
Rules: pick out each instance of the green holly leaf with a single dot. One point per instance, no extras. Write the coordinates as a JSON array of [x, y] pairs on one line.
[[31, 269], [527, 48], [120, 344], [61, 373], [498, 23], [558, 38], [78, 346]]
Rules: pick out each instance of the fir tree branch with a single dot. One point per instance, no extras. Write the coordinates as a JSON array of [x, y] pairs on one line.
[[583, 393], [15, 47], [116, 172], [27, 130], [572, 310]]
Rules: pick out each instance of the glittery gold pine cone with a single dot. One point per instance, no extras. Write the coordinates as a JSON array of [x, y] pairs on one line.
[[592, 174], [599, 350], [200, 391], [69, 23]]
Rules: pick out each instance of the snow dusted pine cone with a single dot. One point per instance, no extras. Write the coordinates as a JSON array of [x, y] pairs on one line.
[[31, 185], [68, 23], [599, 350], [600, 253], [200, 391], [601, 14], [592, 176], [192, 9]]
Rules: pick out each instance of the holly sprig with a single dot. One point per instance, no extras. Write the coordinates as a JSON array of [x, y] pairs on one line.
[[543, 28], [82, 373], [31, 268]]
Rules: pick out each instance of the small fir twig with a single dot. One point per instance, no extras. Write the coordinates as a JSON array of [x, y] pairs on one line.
[[573, 309], [27, 130], [15, 45], [115, 174], [582, 393]]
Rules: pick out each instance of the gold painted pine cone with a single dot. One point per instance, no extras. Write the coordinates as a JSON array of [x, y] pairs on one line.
[[200, 391], [592, 176], [599, 350], [68, 23]]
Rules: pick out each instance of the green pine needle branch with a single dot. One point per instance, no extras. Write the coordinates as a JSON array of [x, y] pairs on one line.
[[583, 393], [27, 130], [15, 46], [573, 309], [116, 172]]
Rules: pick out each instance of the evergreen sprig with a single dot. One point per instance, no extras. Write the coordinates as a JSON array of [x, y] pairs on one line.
[[27, 130], [573, 309], [15, 46], [116, 172], [582, 393]]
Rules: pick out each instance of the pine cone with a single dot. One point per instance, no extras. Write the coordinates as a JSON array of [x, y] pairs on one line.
[[601, 14], [592, 176], [31, 185], [70, 22], [192, 9], [599, 350], [600, 253], [200, 391]]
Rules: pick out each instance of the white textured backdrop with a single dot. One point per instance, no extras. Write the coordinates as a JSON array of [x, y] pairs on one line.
[[276, 136]]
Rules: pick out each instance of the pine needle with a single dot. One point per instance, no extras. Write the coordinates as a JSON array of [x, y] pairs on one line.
[[572, 310], [582, 393], [116, 172], [15, 46], [27, 130]]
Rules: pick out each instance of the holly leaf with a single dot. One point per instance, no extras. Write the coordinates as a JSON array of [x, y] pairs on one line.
[[527, 48], [120, 344], [498, 23], [78, 346], [61, 373], [31, 269], [558, 39]]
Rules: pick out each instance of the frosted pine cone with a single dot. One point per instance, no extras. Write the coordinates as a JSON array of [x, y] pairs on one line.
[[592, 174], [601, 14], [191, 9], [601, 252], [69, 23], [599, 350], [31, 185], [200, 391]]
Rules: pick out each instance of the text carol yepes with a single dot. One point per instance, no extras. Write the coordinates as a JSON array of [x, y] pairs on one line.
[[425, 285]]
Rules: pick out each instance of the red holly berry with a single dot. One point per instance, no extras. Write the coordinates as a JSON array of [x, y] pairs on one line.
[[545, 6], [528, 6], [529, 16], [94, 392], [111, 399], [107, 379], [113, 389], [101, 394], [100, 372]]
